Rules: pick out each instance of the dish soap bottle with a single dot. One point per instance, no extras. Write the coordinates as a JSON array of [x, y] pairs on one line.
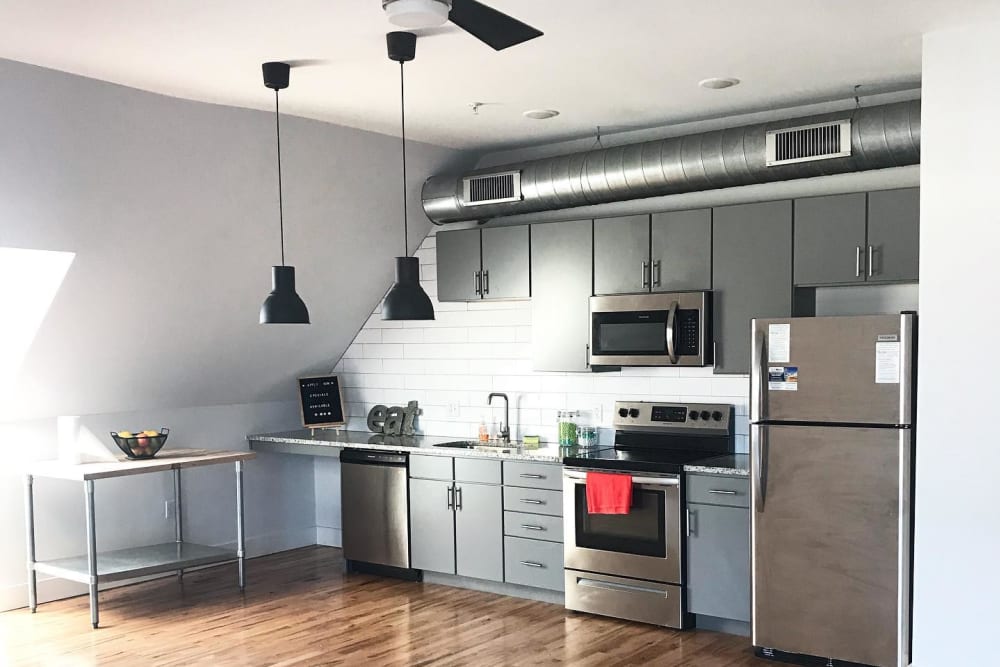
[[484, 434]]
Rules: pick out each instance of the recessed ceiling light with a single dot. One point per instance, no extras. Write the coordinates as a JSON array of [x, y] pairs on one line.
[[541, 114], [716, 83]]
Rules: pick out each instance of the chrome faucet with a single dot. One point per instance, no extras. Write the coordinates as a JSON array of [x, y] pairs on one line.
[[505, 427]]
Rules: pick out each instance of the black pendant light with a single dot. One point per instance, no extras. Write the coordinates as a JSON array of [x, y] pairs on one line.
[[282, 305], [406, 299]]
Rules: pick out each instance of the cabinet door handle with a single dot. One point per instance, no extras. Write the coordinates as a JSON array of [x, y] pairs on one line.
[[477, 283], [656, 280], [529, 475], [643, 266], [486, 283], [871, 261], [451, 497], [528, 526], [687, 520], [587, 358], [531, 563], [532, 501], [723, 492], [458, 499], [857, 262]]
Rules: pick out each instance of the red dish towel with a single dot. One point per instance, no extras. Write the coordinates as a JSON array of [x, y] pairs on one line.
[[608, 493]]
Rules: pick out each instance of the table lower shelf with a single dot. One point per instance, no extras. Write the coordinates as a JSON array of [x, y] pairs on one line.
[[136, 562]]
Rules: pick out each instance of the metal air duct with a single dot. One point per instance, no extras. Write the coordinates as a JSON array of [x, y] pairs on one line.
[[880, 137]]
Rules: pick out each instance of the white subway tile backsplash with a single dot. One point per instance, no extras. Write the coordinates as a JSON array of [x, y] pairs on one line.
[[450, 364]]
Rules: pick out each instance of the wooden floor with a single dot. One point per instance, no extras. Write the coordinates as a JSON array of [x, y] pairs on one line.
[[301, 609]]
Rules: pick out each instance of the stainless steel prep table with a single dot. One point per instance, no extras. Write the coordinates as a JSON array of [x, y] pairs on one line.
[[96, 567]]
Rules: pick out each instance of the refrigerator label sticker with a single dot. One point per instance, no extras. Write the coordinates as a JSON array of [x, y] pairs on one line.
[[779, 339], [887, 363], [886, 338], [783, 378]]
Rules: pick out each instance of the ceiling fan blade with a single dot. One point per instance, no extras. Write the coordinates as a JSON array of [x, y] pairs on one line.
[[489, 25]]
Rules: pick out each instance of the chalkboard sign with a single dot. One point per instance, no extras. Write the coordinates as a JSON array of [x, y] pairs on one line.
[[322, 401]]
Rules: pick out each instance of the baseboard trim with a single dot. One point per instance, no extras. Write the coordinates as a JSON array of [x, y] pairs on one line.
[[726, 625], [329, 537]]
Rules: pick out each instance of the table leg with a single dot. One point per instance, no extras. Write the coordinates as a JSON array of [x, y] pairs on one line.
[[240, 538], [29, 522], [92, 551], [178, 515]]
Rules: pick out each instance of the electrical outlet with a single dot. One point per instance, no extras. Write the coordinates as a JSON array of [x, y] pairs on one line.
[[454, 409], [169, 507]]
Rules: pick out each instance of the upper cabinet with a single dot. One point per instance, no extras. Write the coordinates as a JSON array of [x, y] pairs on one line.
[[893, 235], [682, 251], [492, 263], [621, 255], [665, 252], [857, 238], [560, 302], [751, 275]]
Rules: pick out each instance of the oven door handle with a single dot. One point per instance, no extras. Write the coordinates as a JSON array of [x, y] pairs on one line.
[[651, 481], [615, 586], [671, 334]]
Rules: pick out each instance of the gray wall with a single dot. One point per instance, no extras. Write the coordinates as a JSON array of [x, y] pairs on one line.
[[170, 208]]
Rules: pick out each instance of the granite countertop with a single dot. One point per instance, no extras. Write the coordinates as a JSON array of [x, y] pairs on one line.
[[728, 464], [421, 444]]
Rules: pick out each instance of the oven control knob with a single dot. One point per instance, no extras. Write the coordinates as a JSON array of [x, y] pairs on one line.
[[693, 415], [706, 415], [717, 416], [623, 412], [633, 413]]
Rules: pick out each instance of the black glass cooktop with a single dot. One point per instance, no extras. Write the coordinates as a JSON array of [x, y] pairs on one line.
[[641, 460]]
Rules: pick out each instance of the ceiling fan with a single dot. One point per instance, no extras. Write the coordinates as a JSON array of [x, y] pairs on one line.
[[484, 23]]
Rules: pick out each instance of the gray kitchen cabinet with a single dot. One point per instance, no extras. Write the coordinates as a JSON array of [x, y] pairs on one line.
[[621, 255], [479, 531], [459, 262], [681, 244], [432, 526], [506, 263], [718, 561], [562, 277], [456, 526], [751, 275], [893, 235], [492, 263], [830, 237]]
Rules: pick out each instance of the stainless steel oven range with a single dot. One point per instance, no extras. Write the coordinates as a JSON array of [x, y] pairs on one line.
[[631, 565]]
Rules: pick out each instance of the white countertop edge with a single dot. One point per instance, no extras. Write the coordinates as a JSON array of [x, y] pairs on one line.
[[740, 472]]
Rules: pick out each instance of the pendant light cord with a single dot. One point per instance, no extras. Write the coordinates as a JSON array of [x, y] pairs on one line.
[[402, 120], [281, 214]]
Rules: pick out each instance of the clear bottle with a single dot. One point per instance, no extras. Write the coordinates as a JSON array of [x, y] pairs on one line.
[[484, 434], [567, 427]]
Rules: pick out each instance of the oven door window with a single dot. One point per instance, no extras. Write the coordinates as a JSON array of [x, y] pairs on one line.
[[641, 532], [630, 333]]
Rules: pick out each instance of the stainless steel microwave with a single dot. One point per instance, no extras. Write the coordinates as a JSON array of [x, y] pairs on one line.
[[667, 329]]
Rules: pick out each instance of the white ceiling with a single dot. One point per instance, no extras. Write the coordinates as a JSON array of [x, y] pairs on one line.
[[615, 64]]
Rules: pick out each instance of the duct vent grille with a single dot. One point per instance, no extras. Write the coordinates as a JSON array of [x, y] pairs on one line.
[[809, 142], [492, 188]]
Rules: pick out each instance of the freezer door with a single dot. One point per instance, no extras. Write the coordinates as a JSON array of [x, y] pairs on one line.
[[830, 517], [849, 370]]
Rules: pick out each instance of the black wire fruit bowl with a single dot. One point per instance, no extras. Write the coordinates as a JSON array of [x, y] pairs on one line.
[[142, 445]]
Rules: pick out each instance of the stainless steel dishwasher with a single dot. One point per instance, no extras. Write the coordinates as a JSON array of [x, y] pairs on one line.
[[375, 510]]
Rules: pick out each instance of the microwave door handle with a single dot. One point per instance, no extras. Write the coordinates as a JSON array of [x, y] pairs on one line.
[[671, 334]]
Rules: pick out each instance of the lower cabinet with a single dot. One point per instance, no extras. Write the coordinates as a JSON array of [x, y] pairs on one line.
[[456, 527], [718, 553], [533, 525], [534, 563]]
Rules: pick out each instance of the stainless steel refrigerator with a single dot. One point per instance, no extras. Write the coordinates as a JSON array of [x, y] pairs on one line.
[[831, 443]]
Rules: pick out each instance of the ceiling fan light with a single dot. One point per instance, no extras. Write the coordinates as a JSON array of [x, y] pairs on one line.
[[414, 14]]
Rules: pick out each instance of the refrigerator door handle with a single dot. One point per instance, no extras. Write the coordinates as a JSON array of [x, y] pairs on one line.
[[758, 389], [671, 334], [758, 444]]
